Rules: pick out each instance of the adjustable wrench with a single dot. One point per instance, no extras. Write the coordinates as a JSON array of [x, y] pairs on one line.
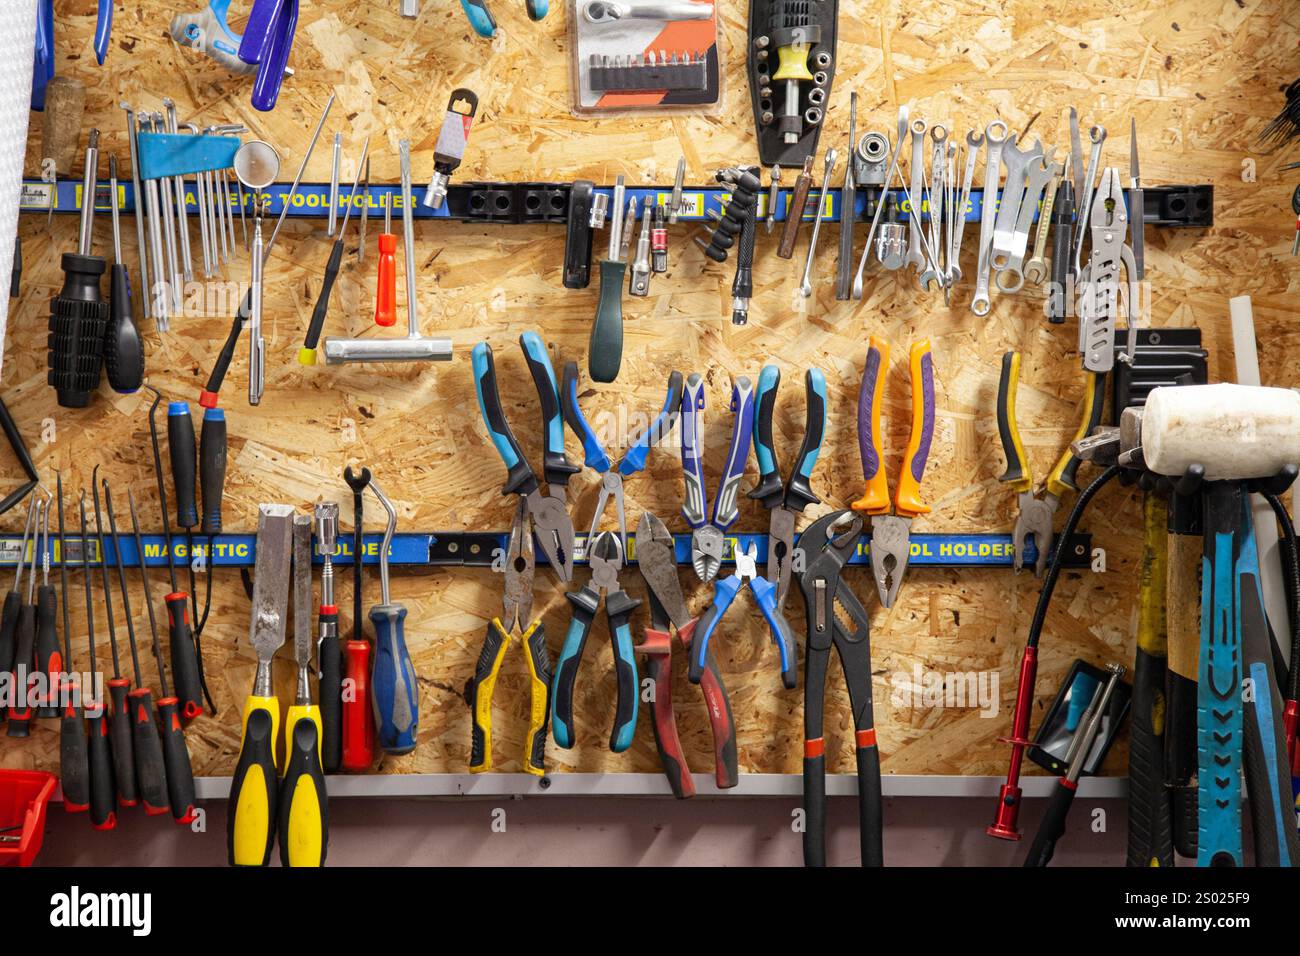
[[1040, 174], [1018, 162], [995, 135], [880, 201], [915, 256]]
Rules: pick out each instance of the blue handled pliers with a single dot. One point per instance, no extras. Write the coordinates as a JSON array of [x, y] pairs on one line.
[[481, 19]]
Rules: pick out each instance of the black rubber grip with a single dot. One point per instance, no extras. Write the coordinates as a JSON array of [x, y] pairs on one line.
[[227, 353], [74, 768], [185, 659], [1150, 826], [330, 660], [870, 812], [78, 320], [770, 490], [566, 670], [1052, 827], [123, 350], [302, 761], [100, 762], [535, 648], [1181, 763], [618, 608], [149, 768], [1062, 251], [800, 494], [212, 468], [814, 808], [122, 743], [8, 635], [181, 451], [520, 479], [20, 717], [493, 641], [49, 660], [176, 762], [323, 300], [605, 348], [1096, 401]]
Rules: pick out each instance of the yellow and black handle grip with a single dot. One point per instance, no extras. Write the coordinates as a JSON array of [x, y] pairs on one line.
[[1062, 476], [1018, 469], [250, 826], [304, 804], [482, 686]]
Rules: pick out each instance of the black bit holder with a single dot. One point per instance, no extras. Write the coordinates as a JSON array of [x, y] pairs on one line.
[[791, 50]]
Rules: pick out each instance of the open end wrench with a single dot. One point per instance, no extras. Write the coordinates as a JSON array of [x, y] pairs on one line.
[[1041, 172], [934, 269], [1098, 136], [828, 164], [1014, 196], [880, 200], [915, 257], [995, 134]]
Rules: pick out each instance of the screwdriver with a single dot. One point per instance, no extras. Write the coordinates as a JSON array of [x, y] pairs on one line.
[[329, 660], [74, 770], [12, 606], [149, 766], [386, 290], [212, 484], [20, 716], [119, 717], [79, 314], [365, 215], [123, 351], [605, 350], [176, 755], [185, 664], [100, 761], [358, 715], [303, 812], [395, 689], [49, 660], [794, 36], [307, 354]]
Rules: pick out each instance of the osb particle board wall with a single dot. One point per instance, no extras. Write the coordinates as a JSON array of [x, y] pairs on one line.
[[1201, 78]]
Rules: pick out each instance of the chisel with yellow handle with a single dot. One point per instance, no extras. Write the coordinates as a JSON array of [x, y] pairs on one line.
[[250, 828], [303, 817]]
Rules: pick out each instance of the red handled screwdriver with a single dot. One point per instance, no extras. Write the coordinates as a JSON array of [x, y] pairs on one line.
[[49, 659], [12, 606], [74, 770], [386, 290], [20, 717]]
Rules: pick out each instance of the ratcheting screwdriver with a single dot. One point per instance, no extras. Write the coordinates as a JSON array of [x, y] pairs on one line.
[[100, 758], [394, 688], [74, 766]]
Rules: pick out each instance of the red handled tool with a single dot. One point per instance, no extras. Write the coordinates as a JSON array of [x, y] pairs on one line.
[[358, 715], [100, 758], [24, 657], [74, 769], [386, 290]]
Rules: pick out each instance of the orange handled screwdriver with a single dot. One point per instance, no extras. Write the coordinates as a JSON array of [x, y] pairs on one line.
[[386, 291]]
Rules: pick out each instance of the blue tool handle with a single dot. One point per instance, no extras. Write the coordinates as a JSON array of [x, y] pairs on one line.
[[520, 478], [480, 19], [257, 34], [537, 9], [593, 452], [724, 592], [799, 493], [555, 467], [725, 508], [619, 607], [635, 458], [765, 594], [695, 502], [393, 687], [103, 30], [275, 57], [566, 668], [769, 490]]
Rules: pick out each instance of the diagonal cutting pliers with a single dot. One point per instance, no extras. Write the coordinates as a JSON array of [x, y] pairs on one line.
[[1035, 514], [708, 535], [656, 557], [548, 509], [518, 622], [891, 532], [786, 500], [837, 618]]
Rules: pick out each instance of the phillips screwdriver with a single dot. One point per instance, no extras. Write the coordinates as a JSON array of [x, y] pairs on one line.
[[307, 354], [119, 717], [20, 717], [386, 290], [185, 662], [329, 660], [49, 660], [358, 715], [123, 351], [74, 768], [176, 755], [12, 607], [605, 349], [149, 768], [79, 314], [100, 760], [395, 690], [303, 812]]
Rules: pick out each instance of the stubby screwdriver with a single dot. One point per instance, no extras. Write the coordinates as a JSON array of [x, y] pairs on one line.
[[386, 289]]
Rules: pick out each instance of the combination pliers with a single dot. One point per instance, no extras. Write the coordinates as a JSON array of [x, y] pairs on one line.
[[656, 557], [606, 553], [786, 500], [1099, 280], [836, 617], [891, 532], [708, 535], [518, 622], [1035, 514]]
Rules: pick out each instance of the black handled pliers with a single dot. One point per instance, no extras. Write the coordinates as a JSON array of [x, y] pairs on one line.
[[836, 617]]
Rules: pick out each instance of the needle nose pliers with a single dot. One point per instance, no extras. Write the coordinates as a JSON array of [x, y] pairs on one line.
[[708, 535], [891, 533], [836, 617]]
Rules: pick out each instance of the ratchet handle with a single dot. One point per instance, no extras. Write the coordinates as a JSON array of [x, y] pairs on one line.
[[1063, 475], [1018, 469], [907, 499], [555, 466], [725, 508], [875, 498], [694, 498]]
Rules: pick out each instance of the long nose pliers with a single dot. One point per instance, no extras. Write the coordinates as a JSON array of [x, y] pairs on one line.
[[708, 534]]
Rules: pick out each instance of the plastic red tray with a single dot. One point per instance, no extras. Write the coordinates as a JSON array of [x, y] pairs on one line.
[[24, 795]]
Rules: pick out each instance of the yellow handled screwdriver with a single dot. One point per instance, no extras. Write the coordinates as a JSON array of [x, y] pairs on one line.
[[304, 819], [250, 828]]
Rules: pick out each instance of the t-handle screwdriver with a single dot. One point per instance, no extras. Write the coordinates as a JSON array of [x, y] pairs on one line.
[[123, 352], [307, 354], [100, 760], [49, 659], [396, 692], [176, 755], [24, 683], [13, 606], [74, 768], [386, 290], [358, 715]]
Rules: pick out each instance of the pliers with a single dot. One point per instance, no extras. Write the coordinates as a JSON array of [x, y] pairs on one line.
[[836, 617], [103, 30], [605, 554], [708, 535], [891, 533], [518, 607], [548, 509], [485, 25], [1099, 280], [724, 593], [656, 556], [1036, 514], [785, 501]]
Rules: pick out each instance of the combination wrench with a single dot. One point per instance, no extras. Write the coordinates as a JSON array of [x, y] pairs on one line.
[[915, 257], [828, 164], [934, 270], [1036, 268], [1041, 172], [1098, 136], [994, 137], [1018, 163], [974, 140], [880, 200]]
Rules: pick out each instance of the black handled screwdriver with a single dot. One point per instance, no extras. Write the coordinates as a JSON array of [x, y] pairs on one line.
[[49, 659], [181, 451], [119, 717], [20, 717], [100, 760], [176, 755], [123, 351], [74, 770], [12, 606], [149, 766], [212, 485]]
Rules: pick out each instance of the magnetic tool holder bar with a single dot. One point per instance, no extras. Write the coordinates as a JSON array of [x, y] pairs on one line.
[[1164, 206], [459, 549]]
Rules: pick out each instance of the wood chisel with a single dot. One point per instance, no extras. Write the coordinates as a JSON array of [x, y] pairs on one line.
[[250, 829]]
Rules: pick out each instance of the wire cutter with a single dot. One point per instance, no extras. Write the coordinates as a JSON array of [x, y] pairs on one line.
[[891, 533], [518, 622], [708, 536], [656, 557], [785, 501], [548, 509], [1035, 514], [836, 617], [606, 553]]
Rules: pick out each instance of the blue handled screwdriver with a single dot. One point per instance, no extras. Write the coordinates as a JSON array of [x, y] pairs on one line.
[[392, 681]]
